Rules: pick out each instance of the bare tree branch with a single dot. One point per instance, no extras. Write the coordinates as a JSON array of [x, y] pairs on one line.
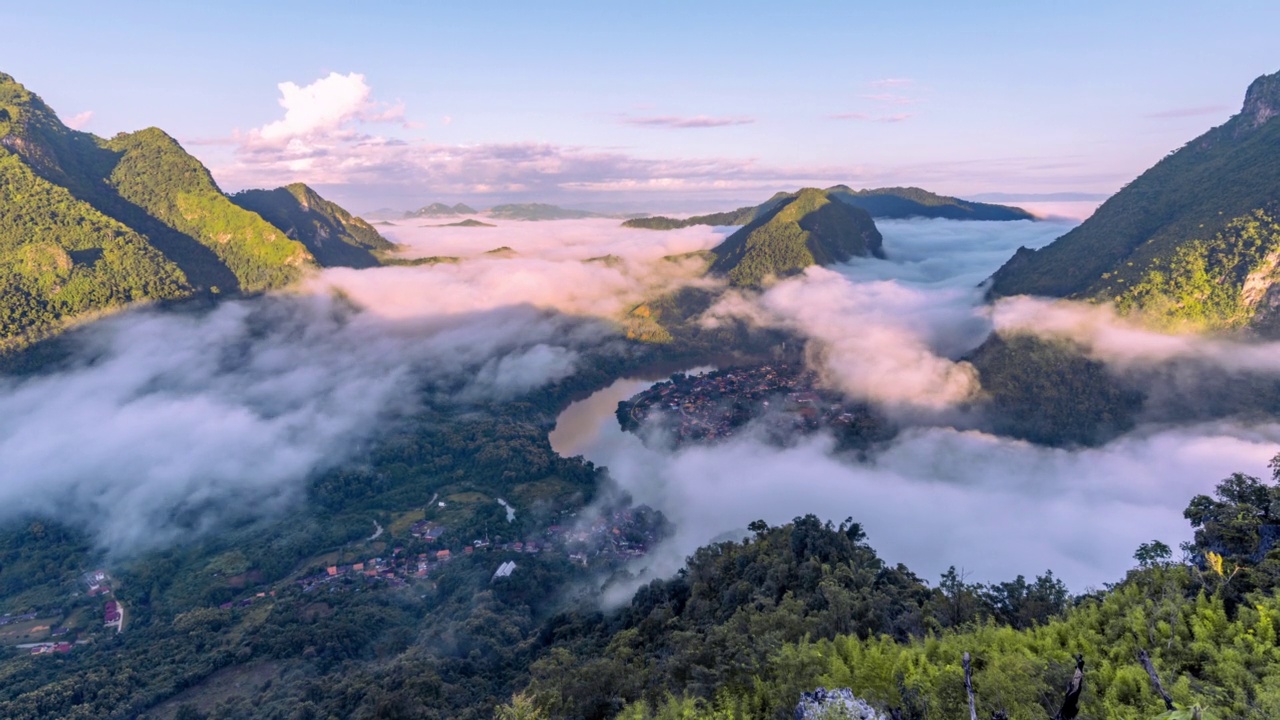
[[1145, 658], [968, 686], [1071, 703]]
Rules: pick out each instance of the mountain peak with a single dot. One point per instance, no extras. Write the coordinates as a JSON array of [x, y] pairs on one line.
[[808, 228], [1262, 100]]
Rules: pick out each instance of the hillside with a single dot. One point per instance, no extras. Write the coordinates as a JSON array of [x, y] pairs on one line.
[[890, 203], [334, 236], [1193, 240], [809, 228], [91, 225]]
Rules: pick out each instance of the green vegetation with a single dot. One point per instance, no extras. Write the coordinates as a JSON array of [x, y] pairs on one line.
[[1048, 392], [1209, 625], [739, 633], [334, 236], [156, 175], [1214, 284], [92, 225], [810, 228], [1139, 247], [61, 259]]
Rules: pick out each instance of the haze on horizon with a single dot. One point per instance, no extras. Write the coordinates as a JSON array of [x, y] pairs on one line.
[[671, 107]]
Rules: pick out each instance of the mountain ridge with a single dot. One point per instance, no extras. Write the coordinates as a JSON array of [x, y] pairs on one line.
[[883, 203], [1206, 210], [332, 235], [92, 225]]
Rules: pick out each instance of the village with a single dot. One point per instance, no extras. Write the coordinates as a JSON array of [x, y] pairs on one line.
[[718, 404], [43, 634], [607, 540]]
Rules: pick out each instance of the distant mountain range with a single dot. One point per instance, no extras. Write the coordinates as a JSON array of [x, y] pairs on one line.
[[436, 210], [810, 227], [1193, 242], [91, 224], [887, 203]]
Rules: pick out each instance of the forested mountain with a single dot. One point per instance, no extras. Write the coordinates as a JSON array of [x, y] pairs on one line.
[[894, 202], [91, 224], [809, 228], [333, 235], [913, 202], [1192, 241]]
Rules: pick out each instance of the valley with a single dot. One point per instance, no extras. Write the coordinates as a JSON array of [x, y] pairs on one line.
[[501, 457]]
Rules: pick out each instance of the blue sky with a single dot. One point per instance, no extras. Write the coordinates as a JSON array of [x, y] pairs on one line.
[[680, 104]]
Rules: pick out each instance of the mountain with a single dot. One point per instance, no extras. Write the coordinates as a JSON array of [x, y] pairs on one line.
[[1195, 240], [90, 225], [469, 222], [333, 235], [440, 210], [741, 216], [889, 203], [811, 227], [913, 202], [538, 211]]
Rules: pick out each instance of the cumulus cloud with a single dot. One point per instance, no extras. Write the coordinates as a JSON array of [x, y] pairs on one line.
[[696, 121], [323, 112], [334, 132]]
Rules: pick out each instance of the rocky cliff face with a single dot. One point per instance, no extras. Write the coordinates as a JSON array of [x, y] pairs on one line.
[[842, 703], [1261, 101]]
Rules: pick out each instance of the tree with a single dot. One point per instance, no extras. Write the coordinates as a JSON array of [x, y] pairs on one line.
[[1152, 554], [521, 707]]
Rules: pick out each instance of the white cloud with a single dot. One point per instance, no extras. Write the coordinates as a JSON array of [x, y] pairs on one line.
[[940, 497], [79, 120], [696, 121], [324, 111]]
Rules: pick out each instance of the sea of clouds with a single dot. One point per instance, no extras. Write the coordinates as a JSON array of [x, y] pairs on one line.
[[895, 332], [168, 424]]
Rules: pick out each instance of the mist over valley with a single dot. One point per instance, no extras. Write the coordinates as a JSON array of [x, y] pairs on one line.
[[749, 363]]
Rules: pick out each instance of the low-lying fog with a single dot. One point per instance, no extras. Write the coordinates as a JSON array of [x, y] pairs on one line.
[[168, 424]]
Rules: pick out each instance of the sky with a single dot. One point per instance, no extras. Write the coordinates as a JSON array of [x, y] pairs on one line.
[[660, 105]]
